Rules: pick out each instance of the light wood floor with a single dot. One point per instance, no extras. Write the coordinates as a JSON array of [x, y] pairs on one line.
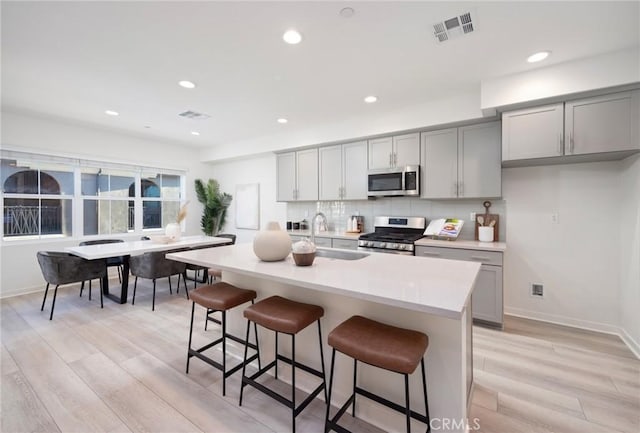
[[122, 369]]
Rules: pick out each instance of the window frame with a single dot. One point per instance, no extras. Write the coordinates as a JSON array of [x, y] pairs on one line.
[[76, 166]]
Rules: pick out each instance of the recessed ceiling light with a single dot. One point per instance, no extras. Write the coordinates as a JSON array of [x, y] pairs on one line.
[[112, 113], [538, 56], [292, 37], [347, 12], [187, 84], [370, 99], [282, 120], [195, 133], [147, 126]]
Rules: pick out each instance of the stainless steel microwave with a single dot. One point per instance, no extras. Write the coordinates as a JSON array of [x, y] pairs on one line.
[[399, 181]]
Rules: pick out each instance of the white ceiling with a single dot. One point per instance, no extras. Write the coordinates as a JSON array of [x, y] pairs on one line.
[[77, 59]]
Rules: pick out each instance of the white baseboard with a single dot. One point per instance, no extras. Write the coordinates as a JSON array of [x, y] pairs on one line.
[[577, 323]]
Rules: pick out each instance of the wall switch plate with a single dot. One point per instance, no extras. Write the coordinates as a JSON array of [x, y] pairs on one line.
[[472, 216], [555, 218]]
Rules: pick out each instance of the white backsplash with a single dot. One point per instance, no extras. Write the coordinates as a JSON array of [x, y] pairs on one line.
[[337, 212]]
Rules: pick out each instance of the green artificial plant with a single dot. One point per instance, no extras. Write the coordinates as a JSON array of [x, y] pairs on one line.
[[215, 205]]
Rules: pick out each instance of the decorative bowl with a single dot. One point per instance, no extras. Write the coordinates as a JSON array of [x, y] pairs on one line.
[[303, 259], [160, 239]]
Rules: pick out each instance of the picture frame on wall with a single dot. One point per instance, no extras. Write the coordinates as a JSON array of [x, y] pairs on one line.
[[248, 206]]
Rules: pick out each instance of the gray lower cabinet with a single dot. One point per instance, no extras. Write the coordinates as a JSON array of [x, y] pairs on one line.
[[487, 297], [320, 242], [345, 244]]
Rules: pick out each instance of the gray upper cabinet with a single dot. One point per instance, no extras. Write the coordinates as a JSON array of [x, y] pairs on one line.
[[533, 133], [343, 171], [297, 175], [462, 162], [589, 129], [396, 151], [602, 124]]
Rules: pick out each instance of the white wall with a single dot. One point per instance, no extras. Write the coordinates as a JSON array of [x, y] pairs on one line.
[[630, 251], [608, 70], [461, 106], [577, 260], [19, 269], [259, 169]]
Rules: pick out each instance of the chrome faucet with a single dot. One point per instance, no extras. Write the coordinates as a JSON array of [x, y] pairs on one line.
[[313, 225]]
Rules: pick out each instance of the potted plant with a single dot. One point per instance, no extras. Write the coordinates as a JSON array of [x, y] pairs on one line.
[[215, 205]]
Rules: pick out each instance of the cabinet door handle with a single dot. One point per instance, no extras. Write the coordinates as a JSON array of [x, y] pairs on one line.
[[560, 143], [395, 159], [461, 189], [571, 142], [390, 159], [454, 189], [480, 258], [426, 253]]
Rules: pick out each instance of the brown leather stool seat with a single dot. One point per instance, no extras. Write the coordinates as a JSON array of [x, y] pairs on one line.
[[380, 345], [283, 315], [221, 297], [289, 317]]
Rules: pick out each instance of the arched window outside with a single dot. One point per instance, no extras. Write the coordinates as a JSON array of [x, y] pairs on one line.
[[33, 203]]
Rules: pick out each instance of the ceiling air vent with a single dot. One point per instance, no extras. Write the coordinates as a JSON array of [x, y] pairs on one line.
[[189, 114], [453, 27]]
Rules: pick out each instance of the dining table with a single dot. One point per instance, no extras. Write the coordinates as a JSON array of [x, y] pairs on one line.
[[132, 248]]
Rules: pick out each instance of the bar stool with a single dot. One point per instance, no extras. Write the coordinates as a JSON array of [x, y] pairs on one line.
[[221, 297], [289, 317], [384, 346]]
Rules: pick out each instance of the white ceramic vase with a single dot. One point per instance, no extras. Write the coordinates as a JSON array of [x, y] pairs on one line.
[[272, 243], [173, 231]]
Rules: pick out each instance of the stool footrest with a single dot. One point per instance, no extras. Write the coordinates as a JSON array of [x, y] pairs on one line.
[[390, 404], [251, 380]]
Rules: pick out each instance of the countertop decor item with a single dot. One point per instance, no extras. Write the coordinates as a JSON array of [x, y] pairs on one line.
[[272, 244], [303, 252], [215, 206], [173, 231], [487, 220]]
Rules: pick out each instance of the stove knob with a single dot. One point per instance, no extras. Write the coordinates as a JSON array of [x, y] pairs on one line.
[[383, 245], [394, 246], [402, 246]]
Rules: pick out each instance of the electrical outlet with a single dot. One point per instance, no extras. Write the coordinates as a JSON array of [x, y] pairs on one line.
[[537, 290], [555, 218], [472, 216]]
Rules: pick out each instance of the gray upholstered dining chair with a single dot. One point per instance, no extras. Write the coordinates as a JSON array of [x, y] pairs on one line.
[[154, 265], [63, 268], [111, 261]]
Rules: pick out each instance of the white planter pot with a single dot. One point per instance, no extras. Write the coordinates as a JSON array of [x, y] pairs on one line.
[[272, 243]]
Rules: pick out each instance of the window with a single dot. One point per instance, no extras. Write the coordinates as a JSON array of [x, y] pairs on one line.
[[160, 199], [42, 194], [105, 201], [37, 199]]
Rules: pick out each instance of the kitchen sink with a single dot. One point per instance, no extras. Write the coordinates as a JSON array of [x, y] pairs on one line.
[[342, 255]]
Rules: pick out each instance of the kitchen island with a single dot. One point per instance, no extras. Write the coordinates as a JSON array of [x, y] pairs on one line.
[[430, 295]]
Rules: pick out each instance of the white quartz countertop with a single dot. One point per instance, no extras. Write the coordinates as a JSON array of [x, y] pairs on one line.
[[462, 244], [436, 286], [336, 235]]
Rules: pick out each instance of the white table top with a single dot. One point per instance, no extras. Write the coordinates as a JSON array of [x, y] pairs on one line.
[[102, 251], [436, 286]]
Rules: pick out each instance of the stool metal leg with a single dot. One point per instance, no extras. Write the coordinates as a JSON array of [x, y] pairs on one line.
[[406, 396], [324, 373], [193, 308], [224, 352], [244, 362], [293, 383], [276, 355], [355, 375], [326, 418], [426, 400]]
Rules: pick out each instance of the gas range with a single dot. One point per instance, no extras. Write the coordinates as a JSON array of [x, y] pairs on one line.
[[394, 235]]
